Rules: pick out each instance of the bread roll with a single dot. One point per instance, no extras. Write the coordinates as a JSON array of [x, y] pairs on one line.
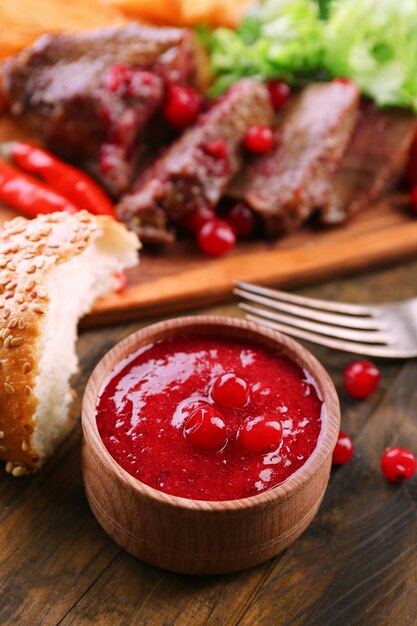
[[52, 269]]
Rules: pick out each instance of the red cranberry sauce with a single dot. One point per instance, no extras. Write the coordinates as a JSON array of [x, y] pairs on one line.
[[142, 409]]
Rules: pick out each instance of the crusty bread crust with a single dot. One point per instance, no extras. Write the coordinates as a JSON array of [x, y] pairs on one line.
[[27, 250]]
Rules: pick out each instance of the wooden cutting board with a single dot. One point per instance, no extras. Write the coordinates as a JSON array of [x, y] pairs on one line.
[[179, 278]]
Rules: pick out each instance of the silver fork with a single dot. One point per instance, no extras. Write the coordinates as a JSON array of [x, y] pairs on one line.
[[386, 330]]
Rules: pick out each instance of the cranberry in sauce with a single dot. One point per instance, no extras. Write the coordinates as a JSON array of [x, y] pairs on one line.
[[154, 403], [261, 434], [205, 429], [230, 391]]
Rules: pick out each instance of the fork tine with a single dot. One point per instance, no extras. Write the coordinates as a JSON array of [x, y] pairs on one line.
[[362, 336], [335, 319], [336, 344], [314, 303]]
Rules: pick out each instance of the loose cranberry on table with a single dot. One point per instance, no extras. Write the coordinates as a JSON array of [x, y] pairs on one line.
[[230, 391], [343, 450], [241, 219], [206, 429], [261, 434], [279, 93], [361, 378], [398, 464], [182, 106], [259, 138], [216, 237]]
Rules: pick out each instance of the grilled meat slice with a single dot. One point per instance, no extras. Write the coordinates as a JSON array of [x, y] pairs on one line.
[[80, 92], [197, 168], [286, 185], [373, 163]]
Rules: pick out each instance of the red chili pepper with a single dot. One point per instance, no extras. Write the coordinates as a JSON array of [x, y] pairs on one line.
[[28, 195], [67, 180]]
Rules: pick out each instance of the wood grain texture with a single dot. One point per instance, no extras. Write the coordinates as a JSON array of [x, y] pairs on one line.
[[201, 537], [180, 277], [355, 564]]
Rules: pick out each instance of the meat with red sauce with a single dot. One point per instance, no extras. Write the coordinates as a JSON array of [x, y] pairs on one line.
[[196, 169], [286, 185], [89, 96], [373, 163]]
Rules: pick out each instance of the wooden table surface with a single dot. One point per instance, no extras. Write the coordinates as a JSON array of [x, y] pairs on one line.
[[356, 563]]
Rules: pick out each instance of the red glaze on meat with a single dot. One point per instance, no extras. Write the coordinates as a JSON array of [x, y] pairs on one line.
[[91, 96], [286, 185], [373, 162], [191, 173]]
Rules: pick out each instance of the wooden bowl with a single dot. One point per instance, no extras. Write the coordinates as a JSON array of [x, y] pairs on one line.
[[196, 536]]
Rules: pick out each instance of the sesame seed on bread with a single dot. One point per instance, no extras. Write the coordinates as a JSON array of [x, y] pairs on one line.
[[38, 259]]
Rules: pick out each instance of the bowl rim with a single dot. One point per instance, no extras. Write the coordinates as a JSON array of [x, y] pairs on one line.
[[295, 351]]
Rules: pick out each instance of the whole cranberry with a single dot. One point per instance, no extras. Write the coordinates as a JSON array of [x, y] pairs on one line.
[[398, 464], [206, 429], [260, 435], [216, 237], [230, 391], [343, 450], [279, 93], [195, 220], [361, 378], [182, 106], [259, 138], [242, 219]]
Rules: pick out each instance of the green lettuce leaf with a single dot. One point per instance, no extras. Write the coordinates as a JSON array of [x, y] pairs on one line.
[[374, 42], [277, 38]]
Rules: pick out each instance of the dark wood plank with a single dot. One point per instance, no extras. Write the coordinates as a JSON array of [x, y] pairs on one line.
[[360, 552], [180, 277], [172, 599], [355, 564]]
